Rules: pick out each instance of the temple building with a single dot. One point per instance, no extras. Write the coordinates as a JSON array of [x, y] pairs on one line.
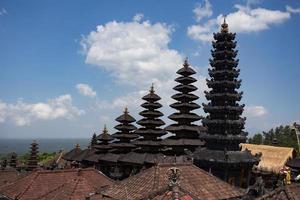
[[13, 160], [169, 181], [149, 132], [33, 158], [222, 155], [186, 134], [125, 134]]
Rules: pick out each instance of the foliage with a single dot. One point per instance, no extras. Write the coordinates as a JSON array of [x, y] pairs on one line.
[[284, 135], [256, 139], [42, 157]]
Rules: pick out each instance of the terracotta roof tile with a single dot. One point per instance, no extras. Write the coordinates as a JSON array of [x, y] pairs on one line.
[[194, 182], [57, 184], [9, 175]]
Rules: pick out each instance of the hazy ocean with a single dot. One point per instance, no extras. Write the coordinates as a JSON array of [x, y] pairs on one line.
[[21, 146]]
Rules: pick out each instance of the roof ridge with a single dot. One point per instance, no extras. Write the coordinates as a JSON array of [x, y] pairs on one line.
[[58, 187], [64, 170], [31, 182], [75, 186]]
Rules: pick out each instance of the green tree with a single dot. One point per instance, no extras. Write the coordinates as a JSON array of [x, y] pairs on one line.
[[256, 139], [284, 135]]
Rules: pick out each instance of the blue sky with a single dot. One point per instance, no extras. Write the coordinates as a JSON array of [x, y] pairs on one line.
[[69, 67]]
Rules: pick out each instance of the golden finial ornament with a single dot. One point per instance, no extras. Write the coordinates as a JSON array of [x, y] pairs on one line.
[[186, 62], [152, 89], [126, 110], [105, 130], [224, 26]]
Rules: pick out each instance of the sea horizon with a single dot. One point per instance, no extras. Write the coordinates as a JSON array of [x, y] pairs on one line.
[[22, 145]]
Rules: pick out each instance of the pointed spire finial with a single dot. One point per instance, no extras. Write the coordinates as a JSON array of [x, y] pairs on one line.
[[126, 110], [186, 62], [224, 26], [152, 89], [105, 130]]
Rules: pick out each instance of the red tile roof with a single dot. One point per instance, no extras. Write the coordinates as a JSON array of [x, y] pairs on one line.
[[9, 175], [56, 184], [153, 183]]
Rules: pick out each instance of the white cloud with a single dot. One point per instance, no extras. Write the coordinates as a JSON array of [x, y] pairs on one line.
[[244, 20], [202, 11], [138, 17], [86, 90], [292, 10], [3, 12], [3, 111], [255, 111], [203, 32], [22, 113], [248, 20], [136, 53]]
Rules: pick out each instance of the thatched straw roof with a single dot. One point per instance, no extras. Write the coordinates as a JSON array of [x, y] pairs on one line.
[[273, 158]]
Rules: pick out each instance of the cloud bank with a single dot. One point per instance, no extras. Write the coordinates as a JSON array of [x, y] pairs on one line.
[[244, 20], [22, 113]]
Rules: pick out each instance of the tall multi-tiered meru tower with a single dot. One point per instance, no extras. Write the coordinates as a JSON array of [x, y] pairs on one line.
[[222, 155], [185, 132]]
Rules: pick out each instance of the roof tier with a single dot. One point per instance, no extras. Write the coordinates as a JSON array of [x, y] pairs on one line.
[[224, 64], [147, 122], [184, 131], [151, 113], [149, 105], [230, 73], [224, 44], [185, 107], [236, 109], [185, 118], [184, 97], [125, 117], [185, 80], [185, 88], [157, 132], [223, 83], [224, 53], [234, 96]]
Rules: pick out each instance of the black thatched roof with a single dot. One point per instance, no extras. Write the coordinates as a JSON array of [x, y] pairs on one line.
[[70, 156], [293, 163], [217, 156]]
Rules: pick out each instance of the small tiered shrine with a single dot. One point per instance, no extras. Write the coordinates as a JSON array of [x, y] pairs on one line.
[[32, 162], [150, 132], [125, 134]]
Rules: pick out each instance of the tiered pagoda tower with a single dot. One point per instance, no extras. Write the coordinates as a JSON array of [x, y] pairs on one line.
[[224, 123], [33, 160], [13, 160], [4, 164], [150, 132], [93, 140], [103, 146], [186, 133], [125, 133]]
